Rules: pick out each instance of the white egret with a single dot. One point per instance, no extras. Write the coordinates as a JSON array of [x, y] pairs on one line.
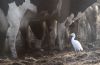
[[76, 44]]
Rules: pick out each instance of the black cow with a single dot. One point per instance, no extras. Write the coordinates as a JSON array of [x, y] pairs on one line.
[[45, 10]]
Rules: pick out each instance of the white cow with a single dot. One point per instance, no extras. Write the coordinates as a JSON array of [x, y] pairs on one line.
[[14, 16]]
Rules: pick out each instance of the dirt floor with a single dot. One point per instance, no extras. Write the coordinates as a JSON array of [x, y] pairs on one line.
[[63, 58]]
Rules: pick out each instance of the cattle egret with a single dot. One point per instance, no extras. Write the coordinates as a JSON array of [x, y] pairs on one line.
[[76, 44]]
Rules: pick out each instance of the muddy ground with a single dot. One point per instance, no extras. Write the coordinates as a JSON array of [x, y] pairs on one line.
[[90, 57]]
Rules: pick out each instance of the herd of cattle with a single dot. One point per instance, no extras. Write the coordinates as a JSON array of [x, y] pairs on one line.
[[16, 15]]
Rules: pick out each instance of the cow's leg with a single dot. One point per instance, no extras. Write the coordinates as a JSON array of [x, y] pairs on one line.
[[61, 35], [3, 29], [24, 32], [24, 28], [52, 33], [14, 22], [11, 36], [13, 17]]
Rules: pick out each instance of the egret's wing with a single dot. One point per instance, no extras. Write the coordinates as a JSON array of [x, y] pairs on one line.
[[77, 45]]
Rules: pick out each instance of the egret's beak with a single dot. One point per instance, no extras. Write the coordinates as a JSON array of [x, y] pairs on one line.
[[70, 35]]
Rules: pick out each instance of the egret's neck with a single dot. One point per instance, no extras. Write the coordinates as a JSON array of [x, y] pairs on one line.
[[73, 38]]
